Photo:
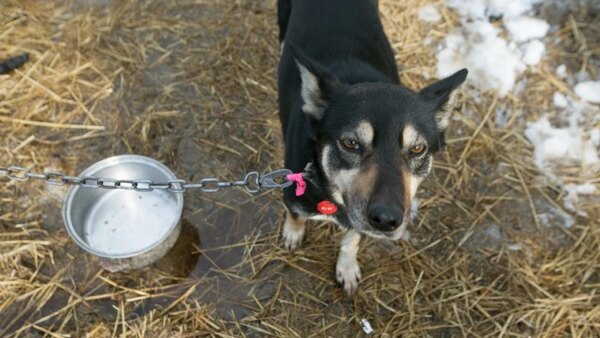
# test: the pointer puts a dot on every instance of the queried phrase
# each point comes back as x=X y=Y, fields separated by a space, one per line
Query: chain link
x=253 y=182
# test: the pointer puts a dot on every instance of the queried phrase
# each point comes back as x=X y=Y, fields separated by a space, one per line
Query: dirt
x=200 y=98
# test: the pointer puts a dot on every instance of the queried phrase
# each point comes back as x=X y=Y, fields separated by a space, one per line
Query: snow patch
x=561 y=71
x=560 y=145
x=514 y=247
x=483 y=9
x=588 y=91
x=555 y=216
x=493 y=62
x=524 y=28
x=571 y=146
x=533 y=52
x=559 y=100
x=429 y=13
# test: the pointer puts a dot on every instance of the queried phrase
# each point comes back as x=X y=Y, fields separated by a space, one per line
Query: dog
x=363 y=142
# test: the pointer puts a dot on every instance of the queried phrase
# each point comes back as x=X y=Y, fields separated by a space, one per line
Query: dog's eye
x=350 y=144
x=418 y=150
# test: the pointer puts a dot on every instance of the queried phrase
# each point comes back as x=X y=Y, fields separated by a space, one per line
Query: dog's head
x=375 y=142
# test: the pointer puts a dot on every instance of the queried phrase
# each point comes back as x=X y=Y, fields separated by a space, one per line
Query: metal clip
x=251 y=182
x=276 y=179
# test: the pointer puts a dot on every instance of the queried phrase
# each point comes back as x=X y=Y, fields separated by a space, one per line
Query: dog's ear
x=317 y=83
x=442 y=93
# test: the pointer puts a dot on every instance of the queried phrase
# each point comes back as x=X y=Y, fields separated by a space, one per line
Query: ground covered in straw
x=192 y=83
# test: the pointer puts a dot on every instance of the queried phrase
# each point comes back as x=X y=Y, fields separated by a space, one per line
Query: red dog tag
x=326 y=208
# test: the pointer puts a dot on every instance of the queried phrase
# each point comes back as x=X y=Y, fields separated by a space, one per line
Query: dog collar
x=324 y=207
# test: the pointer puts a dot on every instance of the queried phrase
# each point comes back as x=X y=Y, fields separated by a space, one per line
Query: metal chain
x=252 y=182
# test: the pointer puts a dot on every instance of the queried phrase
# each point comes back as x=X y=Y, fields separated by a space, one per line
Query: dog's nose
x=384 y=217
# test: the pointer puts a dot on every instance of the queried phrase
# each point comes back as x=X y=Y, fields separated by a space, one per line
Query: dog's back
x=344 y=36
x=330 y=30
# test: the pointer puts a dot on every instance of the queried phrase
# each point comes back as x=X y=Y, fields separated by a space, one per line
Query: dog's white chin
x=395 y=235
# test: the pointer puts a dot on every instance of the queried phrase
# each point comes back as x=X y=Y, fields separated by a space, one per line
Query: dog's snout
x=384 y=217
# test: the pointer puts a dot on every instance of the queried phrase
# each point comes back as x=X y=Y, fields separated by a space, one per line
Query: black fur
x=12 y=63
x=343 y=44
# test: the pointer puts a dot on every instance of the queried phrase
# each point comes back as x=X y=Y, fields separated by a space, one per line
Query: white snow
x=588 y=91
x=501 y=116
x=566 y=147
x=429 y=13
x=560 y=145
x=556 y=215
x=493 y=62
x=524 y=28
x=482 y=9
x=533 y=52
x=496 y=55
x=514 y=247
x=559 y=100
x=573 y=192
x=561 y=71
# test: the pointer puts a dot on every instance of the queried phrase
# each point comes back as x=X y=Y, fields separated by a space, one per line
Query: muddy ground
x=192 y=84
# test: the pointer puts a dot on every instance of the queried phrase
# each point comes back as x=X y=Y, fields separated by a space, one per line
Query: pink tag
x=300 y=184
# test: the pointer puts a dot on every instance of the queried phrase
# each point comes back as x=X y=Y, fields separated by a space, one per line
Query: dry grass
x=192 y=83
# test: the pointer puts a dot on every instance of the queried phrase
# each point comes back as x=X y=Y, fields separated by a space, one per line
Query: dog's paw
x=348 y=274
x=292 y=238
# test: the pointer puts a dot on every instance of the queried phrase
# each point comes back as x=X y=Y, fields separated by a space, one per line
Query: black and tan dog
x=363 y=141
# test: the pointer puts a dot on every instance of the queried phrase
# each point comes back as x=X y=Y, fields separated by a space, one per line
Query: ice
x=588 y=91
x=429 y=13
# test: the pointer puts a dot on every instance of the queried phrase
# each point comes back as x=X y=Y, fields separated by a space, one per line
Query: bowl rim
x=106 y=163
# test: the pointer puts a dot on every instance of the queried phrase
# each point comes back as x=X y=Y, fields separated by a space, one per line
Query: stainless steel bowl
x=125 y=228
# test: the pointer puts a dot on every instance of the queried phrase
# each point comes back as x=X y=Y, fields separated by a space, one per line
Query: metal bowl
x=127 y=229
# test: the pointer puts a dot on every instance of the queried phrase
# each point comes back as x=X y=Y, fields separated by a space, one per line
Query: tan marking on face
x=365 y=132
x=366 y=182
x=411 y=183
x=411 y=137
x=342 y=179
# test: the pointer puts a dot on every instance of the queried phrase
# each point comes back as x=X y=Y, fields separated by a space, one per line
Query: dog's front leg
x=293 y=230
x=347 y=269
